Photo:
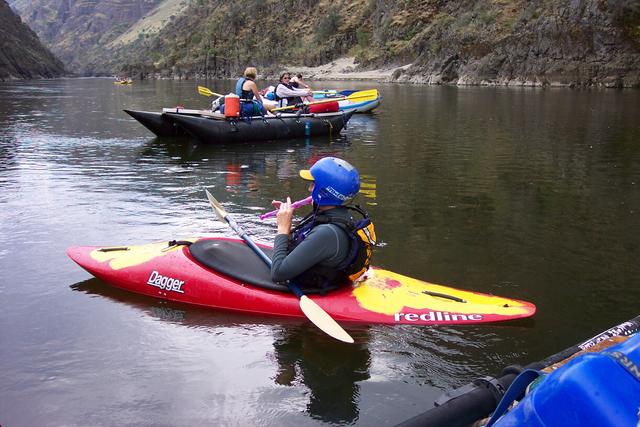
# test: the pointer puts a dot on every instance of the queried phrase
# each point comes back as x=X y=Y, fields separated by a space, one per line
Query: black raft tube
x=477 y=400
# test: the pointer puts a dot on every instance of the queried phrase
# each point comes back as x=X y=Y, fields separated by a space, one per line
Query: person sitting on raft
x=298 y=83
x=247 y=89
x=328 y=248
x=286 y=94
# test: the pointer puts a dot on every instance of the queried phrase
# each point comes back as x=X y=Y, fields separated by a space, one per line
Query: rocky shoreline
x=346 y=69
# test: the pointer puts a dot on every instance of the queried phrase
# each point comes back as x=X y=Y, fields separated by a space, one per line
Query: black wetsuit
x=326 y=245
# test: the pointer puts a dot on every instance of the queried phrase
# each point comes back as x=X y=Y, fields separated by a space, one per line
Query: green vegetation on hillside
x=584 y=42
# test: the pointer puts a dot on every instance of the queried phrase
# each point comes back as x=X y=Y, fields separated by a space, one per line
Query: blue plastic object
x=595 y=389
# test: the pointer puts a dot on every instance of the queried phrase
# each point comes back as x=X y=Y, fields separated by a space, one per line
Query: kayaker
x=247 y=90
x=329 y=247
x=286 y=94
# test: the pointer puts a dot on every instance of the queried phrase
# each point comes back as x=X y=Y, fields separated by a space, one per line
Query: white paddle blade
x=217 y=208
x=322 y=320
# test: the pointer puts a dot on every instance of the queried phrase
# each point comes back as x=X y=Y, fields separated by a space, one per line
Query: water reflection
x=187 y=150
x=331 y=370
x=250 y=168
x=7 y=151
x=364 y=127
x=173 y=312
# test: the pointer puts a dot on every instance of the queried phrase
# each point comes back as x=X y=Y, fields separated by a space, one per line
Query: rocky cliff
x=22 y=56
x=79 y=31
x=516 y=42
x=531 y=43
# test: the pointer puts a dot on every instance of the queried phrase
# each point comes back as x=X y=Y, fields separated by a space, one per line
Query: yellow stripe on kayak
x=388 y=293
x=133 y=255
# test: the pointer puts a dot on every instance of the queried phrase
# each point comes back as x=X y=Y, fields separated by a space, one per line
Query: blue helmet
x=336 y=181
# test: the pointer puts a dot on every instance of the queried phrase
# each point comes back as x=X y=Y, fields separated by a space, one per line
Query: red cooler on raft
x=232 y=105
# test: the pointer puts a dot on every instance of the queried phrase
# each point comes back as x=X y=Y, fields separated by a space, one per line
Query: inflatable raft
x=594 y=383
x=594 y=389
x=215 y=128
x=225 y=274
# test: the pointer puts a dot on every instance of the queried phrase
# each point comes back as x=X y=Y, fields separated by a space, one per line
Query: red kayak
x=225 y=274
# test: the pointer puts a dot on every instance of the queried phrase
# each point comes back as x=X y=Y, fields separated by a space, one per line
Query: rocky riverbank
x=577 y=44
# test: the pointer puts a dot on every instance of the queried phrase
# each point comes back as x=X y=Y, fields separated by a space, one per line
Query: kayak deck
x=171 y=272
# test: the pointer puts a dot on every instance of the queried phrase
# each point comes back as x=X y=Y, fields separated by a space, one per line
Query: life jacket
x=291 y=100
x=362 y=236
x=249 y=107
x=244 y=95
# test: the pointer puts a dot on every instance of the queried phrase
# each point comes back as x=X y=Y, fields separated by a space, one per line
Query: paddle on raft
x=207 y=92
x=313 y=311
x=341 y=92
x=294 y=205
x=371 y=93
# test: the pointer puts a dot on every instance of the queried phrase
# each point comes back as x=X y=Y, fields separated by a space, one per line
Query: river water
x=526 y=193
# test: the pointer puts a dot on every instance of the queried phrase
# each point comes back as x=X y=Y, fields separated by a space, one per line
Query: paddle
x=313 y=311
x=207 y=92
x=341 y=92
x=371 y=93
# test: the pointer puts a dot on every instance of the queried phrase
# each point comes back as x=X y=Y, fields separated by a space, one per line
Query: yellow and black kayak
x=225 y=274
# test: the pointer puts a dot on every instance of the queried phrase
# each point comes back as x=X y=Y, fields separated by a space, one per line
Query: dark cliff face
x=78 y=30
x=22 y=56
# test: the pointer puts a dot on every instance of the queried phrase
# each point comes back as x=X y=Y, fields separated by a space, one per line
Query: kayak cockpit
x=238 y=261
